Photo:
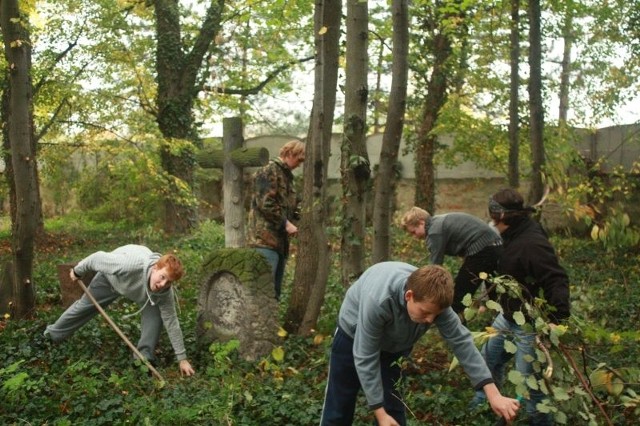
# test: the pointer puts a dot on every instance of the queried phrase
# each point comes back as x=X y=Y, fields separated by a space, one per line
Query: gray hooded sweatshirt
x=374 y=313
x=128 y=269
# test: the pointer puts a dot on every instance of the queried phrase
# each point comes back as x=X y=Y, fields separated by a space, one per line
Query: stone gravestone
x=232 y=159
x=6 y=290
x=236 y=301
x=70 y=291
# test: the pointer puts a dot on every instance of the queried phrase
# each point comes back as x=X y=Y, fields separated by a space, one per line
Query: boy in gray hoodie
x=140 y=275
x=383 y=315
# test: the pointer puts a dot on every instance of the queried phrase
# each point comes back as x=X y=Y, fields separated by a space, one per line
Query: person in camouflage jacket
x=274 y=207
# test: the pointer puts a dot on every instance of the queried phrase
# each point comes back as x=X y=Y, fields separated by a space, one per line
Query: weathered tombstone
x=236 y=302
x=236 y=299
x=70 y=291
x=6 y=289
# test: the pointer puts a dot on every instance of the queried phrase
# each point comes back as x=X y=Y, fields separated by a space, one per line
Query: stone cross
x=232 y=159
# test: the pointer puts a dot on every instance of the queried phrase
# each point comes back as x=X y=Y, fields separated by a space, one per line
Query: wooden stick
x=120 y=333
x=585 y=384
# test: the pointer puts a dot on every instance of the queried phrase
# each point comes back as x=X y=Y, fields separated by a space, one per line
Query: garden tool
x=119 y=332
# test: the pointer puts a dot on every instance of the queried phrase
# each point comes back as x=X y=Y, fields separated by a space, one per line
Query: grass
x=90 y=379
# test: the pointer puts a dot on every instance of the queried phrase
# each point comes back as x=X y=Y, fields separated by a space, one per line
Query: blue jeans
x=467 y=281
x=277 y=262
x=343 y=384
x=497 y=357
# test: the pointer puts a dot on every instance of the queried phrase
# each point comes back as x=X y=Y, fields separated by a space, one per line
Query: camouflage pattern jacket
x=273 y=202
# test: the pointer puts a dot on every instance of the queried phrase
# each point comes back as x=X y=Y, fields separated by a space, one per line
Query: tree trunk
x=565 y=75
x=177 y=90
x=535 y=102
x=355 y=167
x=6 y=144
x=435 y=99
x=17 y=46
x=377 y=94
x=312 y=264
x=514 y=99
x=387 y=173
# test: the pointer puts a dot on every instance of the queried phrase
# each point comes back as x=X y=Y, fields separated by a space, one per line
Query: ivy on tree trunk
x=178 y=87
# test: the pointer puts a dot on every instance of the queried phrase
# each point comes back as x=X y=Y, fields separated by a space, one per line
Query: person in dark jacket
x=274 y=209
x=529 y=258
x=457 y=234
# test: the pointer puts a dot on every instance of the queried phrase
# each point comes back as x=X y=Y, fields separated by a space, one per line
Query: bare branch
x=59 y=57
x=105 y=129
x=256 y=89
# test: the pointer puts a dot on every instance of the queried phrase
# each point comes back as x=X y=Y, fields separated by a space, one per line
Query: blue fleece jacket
x=374 y=313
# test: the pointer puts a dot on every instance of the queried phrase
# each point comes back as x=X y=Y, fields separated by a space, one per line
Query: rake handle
x=118 y=331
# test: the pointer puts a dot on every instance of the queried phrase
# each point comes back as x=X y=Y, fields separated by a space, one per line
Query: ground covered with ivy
x=91 y=379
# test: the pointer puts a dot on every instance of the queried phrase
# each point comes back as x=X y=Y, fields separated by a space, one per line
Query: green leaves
x=493 y=306
x=12 y=378
x=518 y=317
x=510 y=347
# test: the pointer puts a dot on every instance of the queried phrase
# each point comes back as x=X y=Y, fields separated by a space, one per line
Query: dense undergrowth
x=90 y=379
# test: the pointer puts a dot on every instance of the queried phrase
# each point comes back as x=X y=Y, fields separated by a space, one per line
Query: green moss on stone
x=249 y=266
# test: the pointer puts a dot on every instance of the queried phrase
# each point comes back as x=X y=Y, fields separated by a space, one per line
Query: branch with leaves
x=555 y=342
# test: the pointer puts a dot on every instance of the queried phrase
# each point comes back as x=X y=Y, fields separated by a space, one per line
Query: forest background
x=106 y=105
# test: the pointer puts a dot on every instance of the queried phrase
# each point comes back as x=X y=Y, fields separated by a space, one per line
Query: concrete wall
x=467 y=186
x=619 y=145
x=467 y=170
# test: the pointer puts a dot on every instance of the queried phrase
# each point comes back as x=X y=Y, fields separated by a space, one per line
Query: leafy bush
x=130 y=191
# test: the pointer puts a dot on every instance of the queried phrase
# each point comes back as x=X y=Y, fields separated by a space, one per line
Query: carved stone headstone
x=236 y=301
x=70 y=291
x=6 y=289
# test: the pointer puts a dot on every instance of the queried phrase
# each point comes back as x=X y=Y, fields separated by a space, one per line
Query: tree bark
x=21 y=136
x=535 y=103
x=312 y=265
x=565 y=75
x=355 y=168
x=426 y=141
x=514 y=98
x=386 y=178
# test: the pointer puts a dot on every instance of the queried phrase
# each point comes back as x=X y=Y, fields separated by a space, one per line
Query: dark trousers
x=467 y=281
x=343 y=384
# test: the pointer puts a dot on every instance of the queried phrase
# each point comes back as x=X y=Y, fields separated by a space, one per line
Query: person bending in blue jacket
x=383 y=315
